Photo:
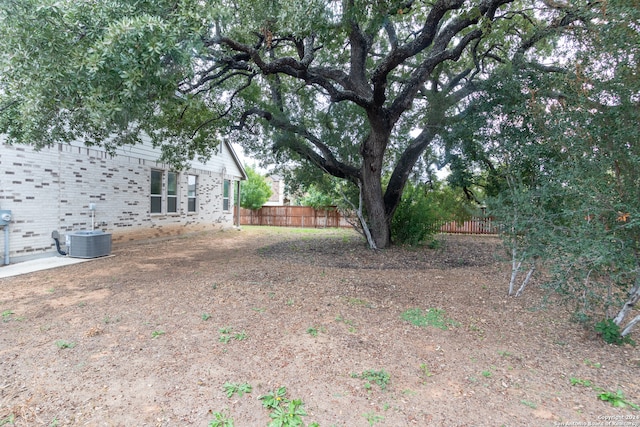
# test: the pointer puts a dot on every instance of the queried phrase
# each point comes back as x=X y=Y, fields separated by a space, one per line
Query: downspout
x=238 y=206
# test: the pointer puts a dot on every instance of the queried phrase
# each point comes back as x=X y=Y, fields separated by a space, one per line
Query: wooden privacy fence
x=476 y=225
x=306 y=216
x=293 y=216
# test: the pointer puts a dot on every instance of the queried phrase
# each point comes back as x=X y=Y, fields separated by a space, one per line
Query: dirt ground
x=150 y=336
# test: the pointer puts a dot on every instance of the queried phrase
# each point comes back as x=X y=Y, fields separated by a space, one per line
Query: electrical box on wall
x=5 y=217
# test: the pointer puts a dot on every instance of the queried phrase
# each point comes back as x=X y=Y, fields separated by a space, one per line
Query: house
x=130 y=195
x=278 y=197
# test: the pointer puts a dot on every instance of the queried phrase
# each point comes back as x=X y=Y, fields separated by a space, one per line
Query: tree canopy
x=356 y=88
x=564 y=171
x=256 y=191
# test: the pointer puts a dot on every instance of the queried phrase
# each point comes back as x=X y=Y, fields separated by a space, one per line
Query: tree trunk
x=627 y=330
x=526 y=280
x=634 y=297
x=363 y=222
x=375 y=212
x=372 y=152
x=515 y=268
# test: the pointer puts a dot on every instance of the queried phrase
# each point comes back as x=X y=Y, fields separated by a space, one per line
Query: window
x=225 y=195
x=156 y=191
x=191 y=193
x=172 y=192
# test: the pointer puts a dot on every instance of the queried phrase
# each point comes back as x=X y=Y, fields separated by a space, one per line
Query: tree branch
x=324 y=159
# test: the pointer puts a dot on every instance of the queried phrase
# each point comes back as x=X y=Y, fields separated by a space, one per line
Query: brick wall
x=51 y=190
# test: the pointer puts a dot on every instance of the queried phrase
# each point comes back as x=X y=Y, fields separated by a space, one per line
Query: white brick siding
x=51 y=190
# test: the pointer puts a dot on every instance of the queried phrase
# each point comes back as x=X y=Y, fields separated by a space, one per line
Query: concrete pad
x=38 y=264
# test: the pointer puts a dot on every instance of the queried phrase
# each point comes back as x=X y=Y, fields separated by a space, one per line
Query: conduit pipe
x=6 y=244
x=5 y=219
x=56 y=237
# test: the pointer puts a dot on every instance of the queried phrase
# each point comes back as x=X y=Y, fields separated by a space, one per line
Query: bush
x=610 y=333
x=423 y=209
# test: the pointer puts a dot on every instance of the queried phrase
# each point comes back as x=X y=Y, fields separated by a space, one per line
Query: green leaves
x=610 y=333
x=433 y=317
x=273 y=399
x=101 y=72
x=235 y=388
x=255 y=191
x=284 y=412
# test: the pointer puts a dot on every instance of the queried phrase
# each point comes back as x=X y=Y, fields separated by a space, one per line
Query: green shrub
x=610 y=333
x=423 y=209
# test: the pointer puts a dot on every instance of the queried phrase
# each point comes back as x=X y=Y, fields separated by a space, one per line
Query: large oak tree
x=357 y=88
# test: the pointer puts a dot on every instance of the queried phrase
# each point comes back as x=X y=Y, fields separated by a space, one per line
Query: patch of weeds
x=284 y=412
x=205 y=316
x=409 y=392
x=234 y=388
x=350 y=323
x=54 y=422
x=529 y=404
x=373 y=418
x=504 y=353
x=288 y=414
x=11 y=419
x=486 y=374
x=62 y=344
x=227 y=334
x=258 y=309
x=473 y=327
x=347 y=322
x=290 y=302
x=108 y=319
x=221 y=419
x=610 y=333
x=424 y=370
x=617 y=399
x=272 y=400
x=156 y=334
x=314 y=331
x=381 y=378
x=581 y=382
x=591 y=364
x=358 y=302
x=51 y=290
x=433 y=317
x=6 y=315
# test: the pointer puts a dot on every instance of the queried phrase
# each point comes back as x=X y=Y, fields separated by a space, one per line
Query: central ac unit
x=88 y=244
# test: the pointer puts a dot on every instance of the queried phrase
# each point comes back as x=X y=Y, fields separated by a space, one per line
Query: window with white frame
x=172 y=192
x=156 y=191
x=225 y=194
x=192 y=182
